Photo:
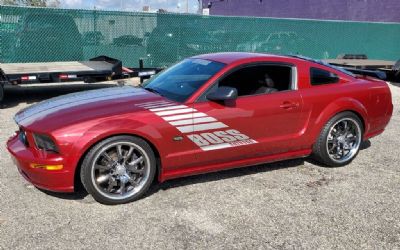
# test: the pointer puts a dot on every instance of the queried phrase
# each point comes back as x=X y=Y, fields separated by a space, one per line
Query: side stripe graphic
x=187 y=116
x=193 y=121
x=173 y=112
x=168 y=108
x=189 y=121
x=201 y=127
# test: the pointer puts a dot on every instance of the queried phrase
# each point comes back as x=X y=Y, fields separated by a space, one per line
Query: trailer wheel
x=1 y=92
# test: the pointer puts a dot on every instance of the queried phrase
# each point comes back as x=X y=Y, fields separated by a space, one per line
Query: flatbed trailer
x=390 y=68
x=97 y=69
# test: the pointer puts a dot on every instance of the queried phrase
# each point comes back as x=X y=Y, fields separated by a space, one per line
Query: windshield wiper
x=153 y=91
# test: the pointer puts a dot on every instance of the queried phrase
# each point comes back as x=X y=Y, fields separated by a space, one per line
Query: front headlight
x=44 y=142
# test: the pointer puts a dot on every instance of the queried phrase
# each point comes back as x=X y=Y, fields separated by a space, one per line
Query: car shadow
x=15 y=95
x=365 y=144
x=81 y=194
x=225 y=174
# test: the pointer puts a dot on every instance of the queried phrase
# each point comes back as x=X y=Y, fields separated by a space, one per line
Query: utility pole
x=200 y=8
x=187 y=6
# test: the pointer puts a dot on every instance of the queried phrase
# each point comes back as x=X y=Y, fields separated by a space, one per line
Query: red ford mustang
x=204 y=114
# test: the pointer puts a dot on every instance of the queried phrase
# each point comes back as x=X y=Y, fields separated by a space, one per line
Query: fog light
x=47 y=167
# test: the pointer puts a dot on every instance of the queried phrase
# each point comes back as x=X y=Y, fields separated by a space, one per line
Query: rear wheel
x=118 y=170
x=340 y=140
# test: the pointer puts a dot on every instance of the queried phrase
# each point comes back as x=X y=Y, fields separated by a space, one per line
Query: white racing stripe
x=201 y=127
x=168 y=108
x=193 y=121
x=187 y=116
x=173 y=112
x=218 y=146
x=157 y=105
x=152 y=103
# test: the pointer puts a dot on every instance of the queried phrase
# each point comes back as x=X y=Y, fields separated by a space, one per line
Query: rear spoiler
x=364 y=72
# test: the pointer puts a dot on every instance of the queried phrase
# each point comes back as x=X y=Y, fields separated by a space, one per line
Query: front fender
x=105 y=129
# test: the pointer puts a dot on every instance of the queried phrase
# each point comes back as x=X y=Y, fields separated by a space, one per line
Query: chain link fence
x=43 y=34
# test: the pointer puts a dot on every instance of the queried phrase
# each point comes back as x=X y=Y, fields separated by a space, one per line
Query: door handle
x=289 y=105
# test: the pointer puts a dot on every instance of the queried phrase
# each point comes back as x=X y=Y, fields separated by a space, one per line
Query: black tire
x=88 y=170
x=320 y=148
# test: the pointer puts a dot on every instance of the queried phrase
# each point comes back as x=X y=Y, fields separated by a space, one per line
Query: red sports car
x=204 y=114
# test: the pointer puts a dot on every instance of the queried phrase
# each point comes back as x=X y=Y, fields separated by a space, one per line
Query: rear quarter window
x=322 y=77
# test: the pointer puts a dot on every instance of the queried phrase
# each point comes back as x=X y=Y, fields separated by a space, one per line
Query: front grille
x=22 y=137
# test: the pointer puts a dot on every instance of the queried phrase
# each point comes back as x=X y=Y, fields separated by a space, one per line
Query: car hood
x=83 y=106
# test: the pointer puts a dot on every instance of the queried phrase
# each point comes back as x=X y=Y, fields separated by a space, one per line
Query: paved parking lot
x=286 y=205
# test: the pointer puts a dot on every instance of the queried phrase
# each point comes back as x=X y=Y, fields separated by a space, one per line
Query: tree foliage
x=36 y=3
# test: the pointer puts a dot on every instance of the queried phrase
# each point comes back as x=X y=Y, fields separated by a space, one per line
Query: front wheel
x=340 y=140
x=118 y=170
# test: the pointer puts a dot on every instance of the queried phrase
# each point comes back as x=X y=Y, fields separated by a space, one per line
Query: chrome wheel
x=120 y=170
x=344 y=139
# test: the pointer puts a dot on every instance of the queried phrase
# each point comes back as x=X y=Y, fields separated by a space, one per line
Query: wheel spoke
x=102 y=168
x=103 y=178
x=137 y=171
x=111 y=184
x=107 y=157
x=121 y=190
x=352 y=139
x=136 y=161
x=134 y=182
x=330 y=149
x=128 y=155
x=345 y=126
x=119 y=152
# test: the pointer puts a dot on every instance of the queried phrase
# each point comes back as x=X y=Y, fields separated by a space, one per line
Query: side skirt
x=234 y=164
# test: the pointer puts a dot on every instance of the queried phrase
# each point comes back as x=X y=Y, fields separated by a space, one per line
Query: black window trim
x=293 y=87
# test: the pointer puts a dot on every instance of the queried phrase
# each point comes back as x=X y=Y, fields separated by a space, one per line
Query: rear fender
x=340 y=105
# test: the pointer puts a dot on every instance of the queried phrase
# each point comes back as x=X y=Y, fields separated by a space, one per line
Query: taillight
x=65 y=76
x=28 y=78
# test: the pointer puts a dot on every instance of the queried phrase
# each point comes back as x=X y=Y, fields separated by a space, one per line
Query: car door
x=248 y=127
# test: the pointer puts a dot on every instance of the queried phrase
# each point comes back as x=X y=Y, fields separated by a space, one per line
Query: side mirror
x=223 y=94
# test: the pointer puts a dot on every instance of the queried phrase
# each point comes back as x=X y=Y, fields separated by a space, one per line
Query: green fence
x=41 y=34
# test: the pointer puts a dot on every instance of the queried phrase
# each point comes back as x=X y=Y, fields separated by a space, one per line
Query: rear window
x=321 y=77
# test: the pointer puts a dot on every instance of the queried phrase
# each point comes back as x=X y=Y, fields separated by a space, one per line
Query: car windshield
x=180 y=81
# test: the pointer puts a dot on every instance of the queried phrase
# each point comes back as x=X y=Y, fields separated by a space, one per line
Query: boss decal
x=200 y=127
x=220 y=139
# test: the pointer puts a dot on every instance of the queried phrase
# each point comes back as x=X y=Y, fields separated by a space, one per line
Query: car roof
x=231 y=57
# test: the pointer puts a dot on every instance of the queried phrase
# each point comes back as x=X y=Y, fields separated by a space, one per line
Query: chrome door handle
x=289 y=105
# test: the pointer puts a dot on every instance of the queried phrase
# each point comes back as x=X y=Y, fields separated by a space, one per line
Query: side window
x=321 y=77
x=260 y=79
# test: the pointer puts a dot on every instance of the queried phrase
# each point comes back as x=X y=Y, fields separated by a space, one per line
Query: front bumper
x=52 y=180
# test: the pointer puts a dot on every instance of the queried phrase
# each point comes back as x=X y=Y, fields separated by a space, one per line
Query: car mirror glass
x=223 y=94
